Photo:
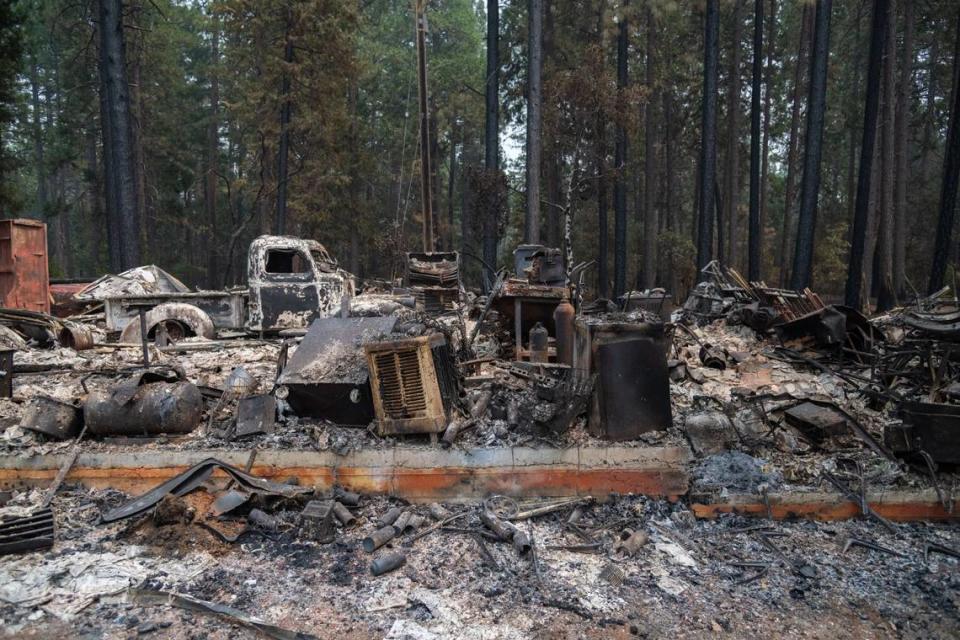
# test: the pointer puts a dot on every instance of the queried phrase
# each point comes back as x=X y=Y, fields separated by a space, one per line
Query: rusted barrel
x=75 y=336
x=160 y=407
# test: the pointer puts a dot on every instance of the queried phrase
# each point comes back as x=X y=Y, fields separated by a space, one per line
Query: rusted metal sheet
x=192 y=478
x=155 y=408
x=256 y=414
x=413 y=383
x=24 y=274
x=292 y=282
x=53 y=418
x=327 y=376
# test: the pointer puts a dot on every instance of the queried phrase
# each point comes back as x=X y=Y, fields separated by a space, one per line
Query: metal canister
x=379 y=538
x=387 y=563
x=563 y=317
x=539 y=340
x=390 y=516
x=155 y=408
x=343 y=514
x=75 y=336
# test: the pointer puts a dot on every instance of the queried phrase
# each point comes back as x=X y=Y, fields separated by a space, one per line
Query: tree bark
x=451 y=184
x=534 y=119
x=753 y=268
x=603 y=275
x=904 y=91
x=708 y=144
x=125 y=252
x=765 y=153
x=786 y=234
x=38 y=146
x=283 y=153
x=878 y=28
x=650 y=214
x=213 y=155
x=492 y=130
x=887 y=296
x=951 y=176
x=620 y=160
x=731 y=175
x=813 y=145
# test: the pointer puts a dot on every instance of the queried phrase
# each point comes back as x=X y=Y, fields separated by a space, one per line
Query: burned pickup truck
x=290 y=282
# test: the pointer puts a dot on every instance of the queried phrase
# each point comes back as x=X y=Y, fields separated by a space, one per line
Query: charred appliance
x=414 y=384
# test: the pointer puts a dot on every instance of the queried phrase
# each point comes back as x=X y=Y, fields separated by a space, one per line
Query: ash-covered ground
x=732 y=577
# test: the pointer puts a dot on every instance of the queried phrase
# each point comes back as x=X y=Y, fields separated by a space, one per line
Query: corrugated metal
x=24 y=276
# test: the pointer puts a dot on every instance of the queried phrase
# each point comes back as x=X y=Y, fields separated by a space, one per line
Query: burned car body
x=292 y=282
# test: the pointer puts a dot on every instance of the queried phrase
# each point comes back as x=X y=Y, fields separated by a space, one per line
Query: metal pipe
x=379 y=538
x=387 y=563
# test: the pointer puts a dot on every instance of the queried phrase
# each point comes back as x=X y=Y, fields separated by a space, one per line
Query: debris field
x=811 y=493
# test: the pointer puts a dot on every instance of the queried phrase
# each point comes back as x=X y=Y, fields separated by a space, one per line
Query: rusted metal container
x=632 y=391
x=155 y=408
x=76 y=336
x=53 y=418
x=24 y=274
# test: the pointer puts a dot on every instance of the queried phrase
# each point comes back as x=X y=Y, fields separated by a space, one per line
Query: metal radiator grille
x=401 y=385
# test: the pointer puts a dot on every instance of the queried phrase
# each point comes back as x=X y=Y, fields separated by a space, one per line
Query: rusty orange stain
x=899 y=511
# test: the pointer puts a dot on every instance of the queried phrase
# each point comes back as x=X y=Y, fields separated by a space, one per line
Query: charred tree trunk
x=902 y=152
x=620 y=160
x=951 y=175
x=603 y=275
x=813 y=141
x=887 y=296
x=534 y=118
x=213 y=155
x=38 y=146
x=115 y=112
x=731 y=175
x=708 y=144
x=765 y=153
x=492 y=131
x=451 y=185
x=753 y=268
x=283 y=153
x=650 y=217
x=878 y=30
x=786 y=234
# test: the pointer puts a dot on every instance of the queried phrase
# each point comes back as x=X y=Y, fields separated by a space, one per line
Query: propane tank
x=539 y=339
x=563 y=317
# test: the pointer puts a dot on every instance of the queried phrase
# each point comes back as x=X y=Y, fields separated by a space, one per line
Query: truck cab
x=292 y=281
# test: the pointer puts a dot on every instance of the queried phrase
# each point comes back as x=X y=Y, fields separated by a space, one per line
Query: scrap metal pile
x=772 y=390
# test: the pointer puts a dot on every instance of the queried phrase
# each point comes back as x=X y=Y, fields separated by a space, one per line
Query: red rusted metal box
x=24 y=279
